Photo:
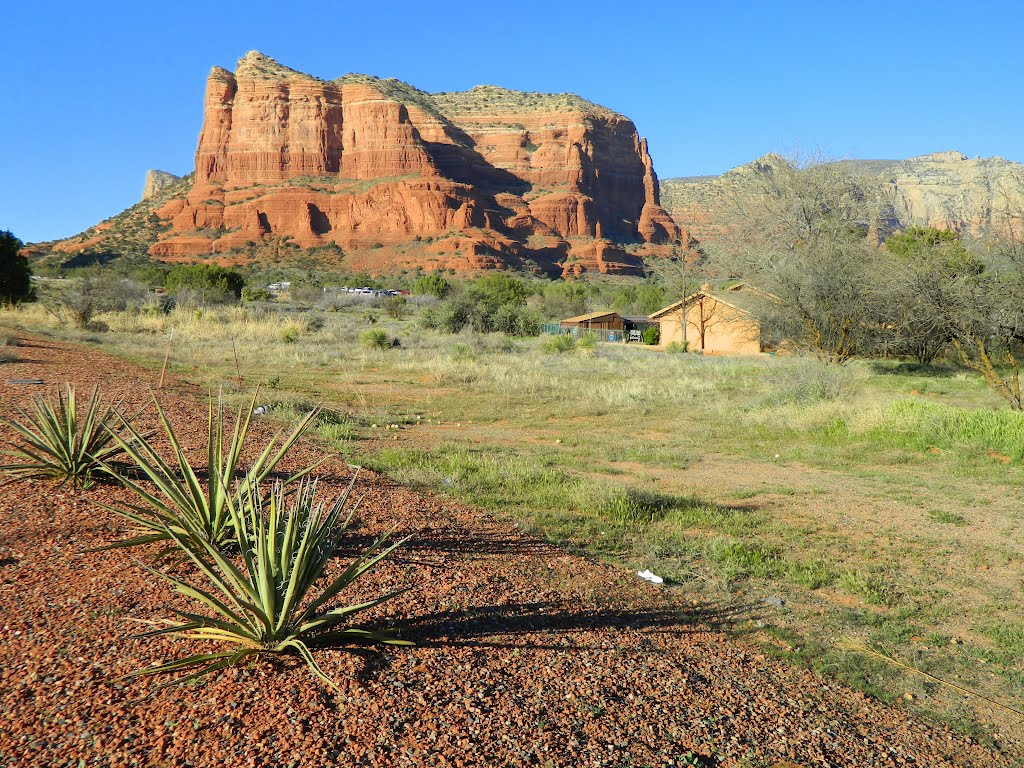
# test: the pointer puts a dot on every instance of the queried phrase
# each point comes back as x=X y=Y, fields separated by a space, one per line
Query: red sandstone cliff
x=483 y=178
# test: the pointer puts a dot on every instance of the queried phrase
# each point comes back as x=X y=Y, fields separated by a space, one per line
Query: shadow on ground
x=499 y=625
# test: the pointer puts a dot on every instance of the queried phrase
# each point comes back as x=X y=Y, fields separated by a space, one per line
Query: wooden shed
x=712 y=322
x=604 y=320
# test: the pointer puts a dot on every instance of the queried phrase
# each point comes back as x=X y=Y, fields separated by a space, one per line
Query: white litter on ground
x=648 y=576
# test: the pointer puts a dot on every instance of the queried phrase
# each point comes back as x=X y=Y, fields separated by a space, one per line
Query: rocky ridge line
x=947 y=190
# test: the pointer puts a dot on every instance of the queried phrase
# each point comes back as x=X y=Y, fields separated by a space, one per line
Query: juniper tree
x=15 y=275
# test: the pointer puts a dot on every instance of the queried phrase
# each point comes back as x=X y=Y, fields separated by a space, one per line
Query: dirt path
x=524 y=655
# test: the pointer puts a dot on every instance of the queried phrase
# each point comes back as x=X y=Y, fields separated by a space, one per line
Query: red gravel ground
x=524 y=655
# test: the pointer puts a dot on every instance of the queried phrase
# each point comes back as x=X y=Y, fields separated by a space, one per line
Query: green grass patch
x=950 y=518
x=872 y=587
x=917 y=426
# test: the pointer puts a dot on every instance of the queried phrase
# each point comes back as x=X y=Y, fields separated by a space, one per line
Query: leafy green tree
x=15 y=275
x=919 y=286
x=432 y=285
x=516 y=321
x=564 y=298
x=208 y=280
x=496 y=290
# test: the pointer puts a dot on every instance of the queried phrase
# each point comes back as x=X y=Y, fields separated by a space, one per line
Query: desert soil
x=524 y=654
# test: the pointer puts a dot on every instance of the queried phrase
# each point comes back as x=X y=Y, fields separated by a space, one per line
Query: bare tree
x=805 y=235
x=78 y=300
x=985 y=313
x=703 y=313
x=681 y=274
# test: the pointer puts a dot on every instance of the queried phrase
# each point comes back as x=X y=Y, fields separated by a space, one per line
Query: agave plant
x=181 y=502
x=64 y=442
x=266 y=606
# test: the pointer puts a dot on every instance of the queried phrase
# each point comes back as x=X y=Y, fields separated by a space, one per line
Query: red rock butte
x=486 y=178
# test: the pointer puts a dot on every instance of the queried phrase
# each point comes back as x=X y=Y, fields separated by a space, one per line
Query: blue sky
x=97 y=93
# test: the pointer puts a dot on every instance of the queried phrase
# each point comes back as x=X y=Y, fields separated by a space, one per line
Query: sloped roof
x=727 y=296
x=591 y=316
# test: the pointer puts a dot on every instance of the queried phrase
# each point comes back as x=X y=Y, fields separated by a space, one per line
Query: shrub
x=268 y=606
x=565 y=299
x=375 y=338
x=396 y=307
x=587 y=343
x=79 y=300
x=62 y=443
x=530 y=322
x=453 y=315
x=506 y=320
x=677 y=347
x=432 y=285
x=290 y=332
x=558 y=344
x=205 y=282
x=652 y=334
x=430 y=318
x=807 y=381
x=463 y=353
x=180 y=504
x=307 y=293
x=256 y=294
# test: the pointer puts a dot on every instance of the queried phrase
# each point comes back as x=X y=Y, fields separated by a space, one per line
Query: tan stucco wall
x=731 y=332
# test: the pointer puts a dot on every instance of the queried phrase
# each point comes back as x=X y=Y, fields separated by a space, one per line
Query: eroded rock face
x=946 y=190
x=480 y=179
x=157 y=180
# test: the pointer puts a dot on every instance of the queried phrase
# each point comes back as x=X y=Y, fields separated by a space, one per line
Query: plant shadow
x=516 y=625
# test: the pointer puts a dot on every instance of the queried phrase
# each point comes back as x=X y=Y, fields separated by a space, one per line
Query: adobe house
x=713 y=322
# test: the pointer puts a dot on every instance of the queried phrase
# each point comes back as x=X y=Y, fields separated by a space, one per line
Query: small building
x=603 y=320
x=712 y=322
x=605 y=324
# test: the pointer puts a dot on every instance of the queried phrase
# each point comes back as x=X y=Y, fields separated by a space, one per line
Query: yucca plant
x=65 y=442
x=267 y=606
x=181 y=502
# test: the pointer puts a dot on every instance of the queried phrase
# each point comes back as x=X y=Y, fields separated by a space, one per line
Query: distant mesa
x=289 y=166
x=947 y=190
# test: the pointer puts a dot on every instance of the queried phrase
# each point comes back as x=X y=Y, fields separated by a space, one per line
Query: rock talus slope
x=487 y=178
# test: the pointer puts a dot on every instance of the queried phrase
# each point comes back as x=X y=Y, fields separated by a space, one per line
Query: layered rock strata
x=478 y=179
x=947 y=190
